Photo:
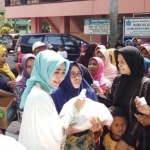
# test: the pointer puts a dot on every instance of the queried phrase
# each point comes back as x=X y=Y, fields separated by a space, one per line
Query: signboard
x=137 y=27
x=97 y=26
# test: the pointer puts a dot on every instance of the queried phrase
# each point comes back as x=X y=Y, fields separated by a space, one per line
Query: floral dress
x=84 y=142
x=18 y=91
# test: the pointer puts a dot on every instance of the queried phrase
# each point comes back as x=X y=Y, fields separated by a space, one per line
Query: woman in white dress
x=41 y=127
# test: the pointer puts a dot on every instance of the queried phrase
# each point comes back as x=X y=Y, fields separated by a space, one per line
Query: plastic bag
x=90 y=109
x=13 y=130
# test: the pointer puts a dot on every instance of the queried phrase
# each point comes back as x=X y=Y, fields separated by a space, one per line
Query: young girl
x=41 y=127
x=27 y=63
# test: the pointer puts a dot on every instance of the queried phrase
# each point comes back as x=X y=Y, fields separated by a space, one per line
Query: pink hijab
x=99 y=75
x=110 y=71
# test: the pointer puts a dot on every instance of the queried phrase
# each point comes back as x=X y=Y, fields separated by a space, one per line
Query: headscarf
x=100 y=46
x=126 y=42
x=99 y=76
x=145 y=44
x=111 y=53
x=5 y=68
x=86 y=74
x=25 y=75
x=110 y=71
x=66 y=91
x=84 y=59
x=147 y=64
x=135 y=62
x=46 y=63
x=145 y=47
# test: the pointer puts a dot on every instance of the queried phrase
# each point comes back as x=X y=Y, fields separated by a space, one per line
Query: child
x=62 y=52
x=117 y=129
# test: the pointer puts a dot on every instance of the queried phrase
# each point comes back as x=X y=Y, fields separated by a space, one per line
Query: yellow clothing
x=110 y=144
x=5 y=68
x=111 y=53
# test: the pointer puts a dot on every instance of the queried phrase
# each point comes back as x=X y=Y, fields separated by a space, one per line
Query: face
x=75 y=76
x=29 y=65
x=145 y=53
x=100 y=55
x=39 y=49
x=135 y=41
x=129 y=44
x=93 y=67
x=137 y=46
x=60 y=48
x=123 y=67
x=4 y=58
x=118 y=127
x=58 y=76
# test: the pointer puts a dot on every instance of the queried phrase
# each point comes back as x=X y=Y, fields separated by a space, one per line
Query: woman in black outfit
x=131 y=83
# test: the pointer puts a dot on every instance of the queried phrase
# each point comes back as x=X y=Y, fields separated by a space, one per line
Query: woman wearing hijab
x=84 y=59
x=7 y=78
x=112 y=56
x=145 y=51
x=129 y=43
x=71 y=87
x=27 y=63
x=96 y=68
x=131 y=83
x=110 y=71
x=41 y=127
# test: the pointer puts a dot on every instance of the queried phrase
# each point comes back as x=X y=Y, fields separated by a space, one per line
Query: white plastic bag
x=90 y=109
x=13 y=130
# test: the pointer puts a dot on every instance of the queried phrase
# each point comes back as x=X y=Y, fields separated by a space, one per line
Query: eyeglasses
x=74 y=75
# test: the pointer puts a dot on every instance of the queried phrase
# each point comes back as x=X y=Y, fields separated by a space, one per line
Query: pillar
x=65 y=24
x=36 y=25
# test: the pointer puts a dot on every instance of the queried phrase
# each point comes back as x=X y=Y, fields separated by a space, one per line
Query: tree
x=113 y=15
x=7 y=28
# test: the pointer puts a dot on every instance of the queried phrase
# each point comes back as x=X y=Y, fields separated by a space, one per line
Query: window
x=6 y=37
x=30 y=40
x=53 y=40
x=67 y=41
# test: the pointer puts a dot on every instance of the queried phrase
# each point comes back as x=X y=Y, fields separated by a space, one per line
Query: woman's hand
x=72 y=130
x=79 y=104
x=144 y=109
x=121 y=145
x=108 y=89
x=11 y=84
x=97 y=89
x=97 y=125
x=144 y=120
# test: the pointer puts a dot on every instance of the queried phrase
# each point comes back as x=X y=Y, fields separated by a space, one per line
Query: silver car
x=9 y=40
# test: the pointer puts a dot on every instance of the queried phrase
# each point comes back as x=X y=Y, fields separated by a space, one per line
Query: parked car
x=70 y=43
x=9 y=40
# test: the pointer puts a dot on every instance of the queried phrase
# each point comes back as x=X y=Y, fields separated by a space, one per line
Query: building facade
x=67 y=16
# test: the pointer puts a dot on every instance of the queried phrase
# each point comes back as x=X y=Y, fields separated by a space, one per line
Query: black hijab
x=135 y=62
x=86 y=74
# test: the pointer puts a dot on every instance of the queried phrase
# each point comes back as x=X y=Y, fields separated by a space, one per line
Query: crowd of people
x=115 y=77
